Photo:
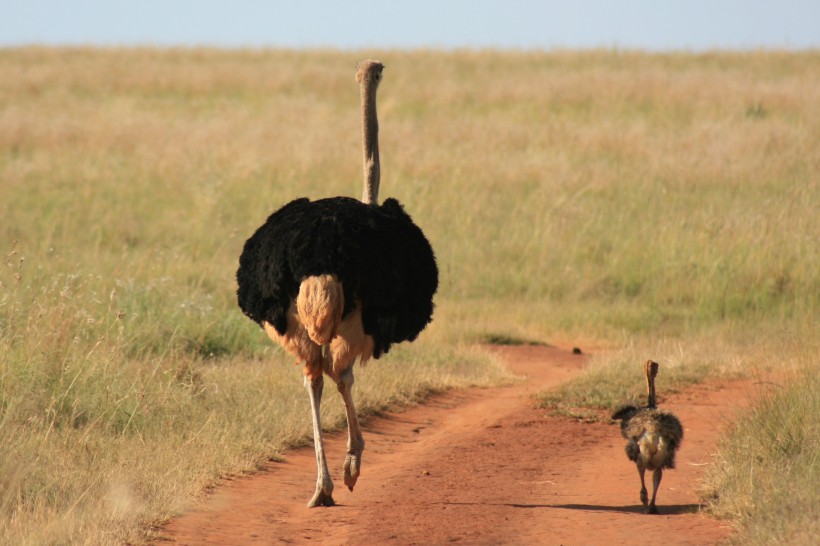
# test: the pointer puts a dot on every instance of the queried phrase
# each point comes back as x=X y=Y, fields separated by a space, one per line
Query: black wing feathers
x=266 y=282
x=382 y=259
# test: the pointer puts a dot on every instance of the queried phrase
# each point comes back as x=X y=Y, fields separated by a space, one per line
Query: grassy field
x=662 y=203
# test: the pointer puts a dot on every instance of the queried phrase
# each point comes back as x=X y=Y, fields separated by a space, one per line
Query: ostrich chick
x=654 y=437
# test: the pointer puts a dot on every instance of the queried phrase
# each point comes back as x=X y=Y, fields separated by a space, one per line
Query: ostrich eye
x=377 y=76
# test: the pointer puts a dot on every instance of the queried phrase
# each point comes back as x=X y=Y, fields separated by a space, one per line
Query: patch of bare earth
x=480 y=466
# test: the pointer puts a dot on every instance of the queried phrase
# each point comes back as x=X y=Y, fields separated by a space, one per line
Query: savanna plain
x=648 y=205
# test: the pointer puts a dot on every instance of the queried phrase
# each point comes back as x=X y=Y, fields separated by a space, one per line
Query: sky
x=656 y=25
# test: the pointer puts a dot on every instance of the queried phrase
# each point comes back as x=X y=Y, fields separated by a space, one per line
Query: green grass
x=660 y=204
x=505 y=339
x=766 y=472
x=615 y=377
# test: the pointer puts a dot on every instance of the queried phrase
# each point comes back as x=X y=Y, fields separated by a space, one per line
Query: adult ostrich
x=337 y=279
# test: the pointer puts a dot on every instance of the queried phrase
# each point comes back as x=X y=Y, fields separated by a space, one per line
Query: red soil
x=480 y=466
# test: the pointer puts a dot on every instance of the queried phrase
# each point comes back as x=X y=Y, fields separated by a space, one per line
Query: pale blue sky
x=525 y=24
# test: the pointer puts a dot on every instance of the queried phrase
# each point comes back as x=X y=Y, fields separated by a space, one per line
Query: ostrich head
x=369 y=72
x=369 y=75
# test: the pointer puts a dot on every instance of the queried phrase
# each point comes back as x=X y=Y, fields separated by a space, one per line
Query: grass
x=614 y=377
x=766 y=473
x=649 y=203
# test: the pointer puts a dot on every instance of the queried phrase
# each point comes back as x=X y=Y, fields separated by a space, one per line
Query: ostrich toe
x=353 y=462
x=324 y=493
x=321 y=498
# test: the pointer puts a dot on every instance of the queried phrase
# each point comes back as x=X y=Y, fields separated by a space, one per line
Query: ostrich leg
x=656 y=483
x=355 y=442
x=644 y=497
x=324 y=485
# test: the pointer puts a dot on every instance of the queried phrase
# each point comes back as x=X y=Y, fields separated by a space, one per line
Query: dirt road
x=480 y=466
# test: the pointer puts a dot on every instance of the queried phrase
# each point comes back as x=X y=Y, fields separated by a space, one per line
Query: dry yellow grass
x=570 y=197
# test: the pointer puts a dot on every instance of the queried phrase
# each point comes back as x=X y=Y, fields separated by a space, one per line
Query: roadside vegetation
x=660 y=206
x=766 y=473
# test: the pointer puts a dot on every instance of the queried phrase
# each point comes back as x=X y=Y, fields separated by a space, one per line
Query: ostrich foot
x=352 y=466
x=322 y=497
x=651 y=509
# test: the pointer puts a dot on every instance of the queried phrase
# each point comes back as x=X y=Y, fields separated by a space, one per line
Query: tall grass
x=585 y=197
x=766 y=473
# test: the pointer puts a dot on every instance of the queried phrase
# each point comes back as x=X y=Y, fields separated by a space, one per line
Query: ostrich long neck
x=651 y=370
x=650 y=387
x=370 y=144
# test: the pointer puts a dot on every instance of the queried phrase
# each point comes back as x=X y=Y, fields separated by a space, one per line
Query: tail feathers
x=320 y=304
x=650 y=443
x=655 y=451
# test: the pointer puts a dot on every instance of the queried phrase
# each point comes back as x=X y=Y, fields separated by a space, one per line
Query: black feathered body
x=382 y=259
x=653 y=436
